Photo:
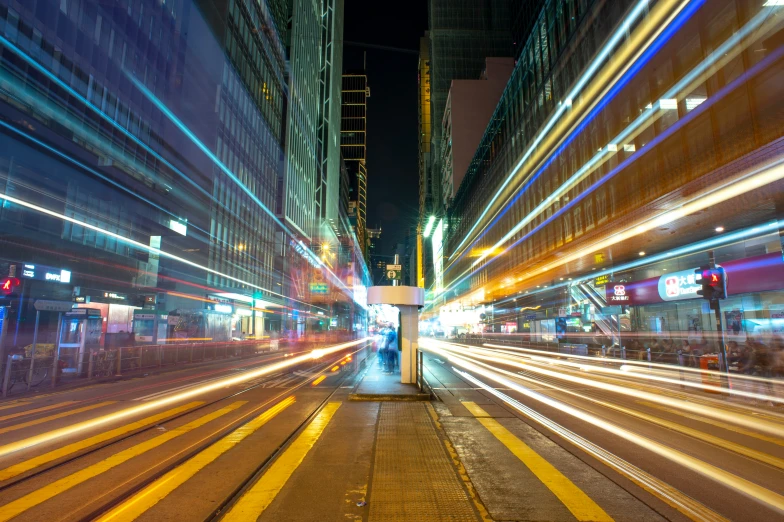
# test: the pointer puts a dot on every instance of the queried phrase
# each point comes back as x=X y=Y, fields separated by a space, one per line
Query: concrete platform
x=375 y=385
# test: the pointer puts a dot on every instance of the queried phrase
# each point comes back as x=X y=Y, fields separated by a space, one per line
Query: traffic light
x=9 y=284
x=714 y=283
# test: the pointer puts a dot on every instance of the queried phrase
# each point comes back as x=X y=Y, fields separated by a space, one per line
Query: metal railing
x=20 y=373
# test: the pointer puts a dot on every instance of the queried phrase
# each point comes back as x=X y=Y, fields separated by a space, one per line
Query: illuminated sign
x=617 y=294
x=46 y=273
x=179 y=227
x=113 y=295
x=601 y=280
x=679 y=285
x=319 y=288
x=438 y=257
x=223 y=308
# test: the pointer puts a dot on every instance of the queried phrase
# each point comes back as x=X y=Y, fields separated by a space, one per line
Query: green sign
x=393 y=272
x=319 y=288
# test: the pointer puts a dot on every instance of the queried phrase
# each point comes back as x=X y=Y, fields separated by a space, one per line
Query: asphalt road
x=528 y=436
x=727 y=454
x=76 y=454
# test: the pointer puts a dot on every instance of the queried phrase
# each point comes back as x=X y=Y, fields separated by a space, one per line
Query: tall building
x=298 y=185
x=462 y=33
x=469 y=106
x=353 y=146
x=378 y=261
x=164 y=125
x=600 y=187
x=424 y=134
x=330 y=87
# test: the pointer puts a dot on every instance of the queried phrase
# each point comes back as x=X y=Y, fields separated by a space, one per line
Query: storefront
x=668 y=306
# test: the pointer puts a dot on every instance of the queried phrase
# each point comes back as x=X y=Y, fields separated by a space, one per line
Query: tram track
x=193 y=450
x=631 y=478
x=183 y=454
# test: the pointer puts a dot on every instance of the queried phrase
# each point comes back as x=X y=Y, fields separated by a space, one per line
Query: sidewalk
x=380 y=451
x=375 y=385
x=382 y=457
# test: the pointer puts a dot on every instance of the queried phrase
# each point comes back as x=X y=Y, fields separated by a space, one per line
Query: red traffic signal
x=714 y=283
x=8 y=285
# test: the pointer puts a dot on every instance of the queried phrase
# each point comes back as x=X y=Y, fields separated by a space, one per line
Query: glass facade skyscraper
x=143 y=155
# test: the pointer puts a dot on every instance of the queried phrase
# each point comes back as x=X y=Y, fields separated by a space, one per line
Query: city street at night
x=433 y=260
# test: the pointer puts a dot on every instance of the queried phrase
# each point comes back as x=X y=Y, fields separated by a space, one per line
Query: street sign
x=43 y=305
x=393 y=272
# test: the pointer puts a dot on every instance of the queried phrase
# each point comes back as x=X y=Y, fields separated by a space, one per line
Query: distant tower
x=353 y=146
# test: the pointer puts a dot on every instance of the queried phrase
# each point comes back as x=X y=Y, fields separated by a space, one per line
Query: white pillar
x=409 y=333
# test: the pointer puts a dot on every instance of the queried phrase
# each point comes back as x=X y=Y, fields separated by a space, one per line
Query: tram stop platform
x=375 y=385
x=382 y=451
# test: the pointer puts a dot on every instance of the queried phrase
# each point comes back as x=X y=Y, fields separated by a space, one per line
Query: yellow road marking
x=317 y=381
x=53 y=489
x=697 y=434
x=14 y=404
x=40 y=460
x=37 y=410
x=55 y=416
x=719 y=424
x=145 y=499
x=575 y=500
x=256 y=499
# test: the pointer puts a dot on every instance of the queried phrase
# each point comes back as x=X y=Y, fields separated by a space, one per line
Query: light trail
x=752 y=490
x=691 y=508
x=636 y=12
x=639 y=366
x=40 y=68
x=762 y=425
x=137 y=244
x=655 y=378
x=187 y=394
x=722 y=55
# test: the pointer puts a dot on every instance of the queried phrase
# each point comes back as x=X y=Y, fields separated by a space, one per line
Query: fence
x=21 y=373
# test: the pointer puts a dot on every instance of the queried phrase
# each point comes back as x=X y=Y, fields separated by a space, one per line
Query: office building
x=353 y=146
x=598 y=180
x=164 y=127
x=469 y=106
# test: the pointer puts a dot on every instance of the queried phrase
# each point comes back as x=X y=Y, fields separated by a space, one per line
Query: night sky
x=393 y=175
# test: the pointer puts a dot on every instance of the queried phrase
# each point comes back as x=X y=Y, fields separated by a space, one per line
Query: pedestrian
x=391 y=349
x=381 y=348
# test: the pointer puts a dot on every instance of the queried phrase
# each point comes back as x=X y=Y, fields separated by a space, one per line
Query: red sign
x=617 y=294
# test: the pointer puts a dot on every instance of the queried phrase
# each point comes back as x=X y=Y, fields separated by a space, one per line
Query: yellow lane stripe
x=40 y=460
x=575 y=500
x=14 y=404
x=53 y=489
x=36 y=410
x=317 y=381
x=255 y=500
x=718 y=424
x=55 y=416
x=697 y=434
x=145 y=499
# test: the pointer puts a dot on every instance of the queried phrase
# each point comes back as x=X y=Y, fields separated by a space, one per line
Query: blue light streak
x=644 y=58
